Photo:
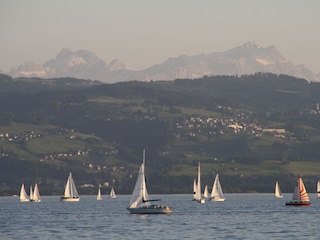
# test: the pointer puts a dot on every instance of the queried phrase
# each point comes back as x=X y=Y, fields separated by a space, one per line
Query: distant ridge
x=248 y=58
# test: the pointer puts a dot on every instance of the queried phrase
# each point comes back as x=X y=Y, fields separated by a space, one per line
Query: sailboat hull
x=153 y=209
x=69 y=199
x=216 y=199
x=298 y=203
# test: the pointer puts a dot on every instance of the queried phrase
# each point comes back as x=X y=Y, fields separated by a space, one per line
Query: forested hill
x=252 y=129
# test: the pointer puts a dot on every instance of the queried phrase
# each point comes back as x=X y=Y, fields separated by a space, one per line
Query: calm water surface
x=241 y=216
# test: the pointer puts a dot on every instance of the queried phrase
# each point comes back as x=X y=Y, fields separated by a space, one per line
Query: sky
x=141 y=33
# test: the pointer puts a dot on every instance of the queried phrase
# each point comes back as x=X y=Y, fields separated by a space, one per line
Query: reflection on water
x=241 y=216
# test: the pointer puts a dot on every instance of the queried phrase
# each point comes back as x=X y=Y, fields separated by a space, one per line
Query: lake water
x=241 y=216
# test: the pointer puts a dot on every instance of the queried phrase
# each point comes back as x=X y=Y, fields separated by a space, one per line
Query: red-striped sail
x=300 y=195
x=300 y=192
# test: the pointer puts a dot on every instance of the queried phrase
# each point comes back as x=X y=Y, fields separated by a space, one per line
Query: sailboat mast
x=144 y=157
x=299 y=188
x=31 y=193
x=143 y=185
x=199 y=183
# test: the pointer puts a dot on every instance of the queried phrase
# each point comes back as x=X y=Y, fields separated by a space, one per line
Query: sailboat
x=36 y=195
x=99 y=197
x=277 y=191
x=112 y=193
x=205 y=192
x=70 y=192
x=318 y=190
x=217 y=193
x=140 y=202
x=198 y=196
x=23 y=194
x=31 y=193
x=300 y=195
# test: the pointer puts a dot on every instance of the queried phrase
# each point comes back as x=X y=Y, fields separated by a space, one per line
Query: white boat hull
x=153 y=209
x=69 y=199
x=217 y=199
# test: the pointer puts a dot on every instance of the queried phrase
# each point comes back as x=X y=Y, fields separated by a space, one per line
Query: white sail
x=194 y=189
x=140 y=194
x=99 y=197
x=217 y=193
x=36 y=194
x=23 y=194
x=31 y=193
x=277 y=191
x=70 y=192
x=112 y=193
x=198 y=192
x=318 y=189
x=205 y=192
x=198 y=196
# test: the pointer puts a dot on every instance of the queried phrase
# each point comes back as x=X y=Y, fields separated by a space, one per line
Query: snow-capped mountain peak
x=248 y=58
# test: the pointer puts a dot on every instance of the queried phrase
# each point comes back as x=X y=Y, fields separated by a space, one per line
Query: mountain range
x=248 y=58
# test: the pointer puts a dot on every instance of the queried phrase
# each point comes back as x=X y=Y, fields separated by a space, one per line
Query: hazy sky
x=141 y=33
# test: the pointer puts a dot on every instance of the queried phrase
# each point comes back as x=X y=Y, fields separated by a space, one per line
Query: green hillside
x=253 y=130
